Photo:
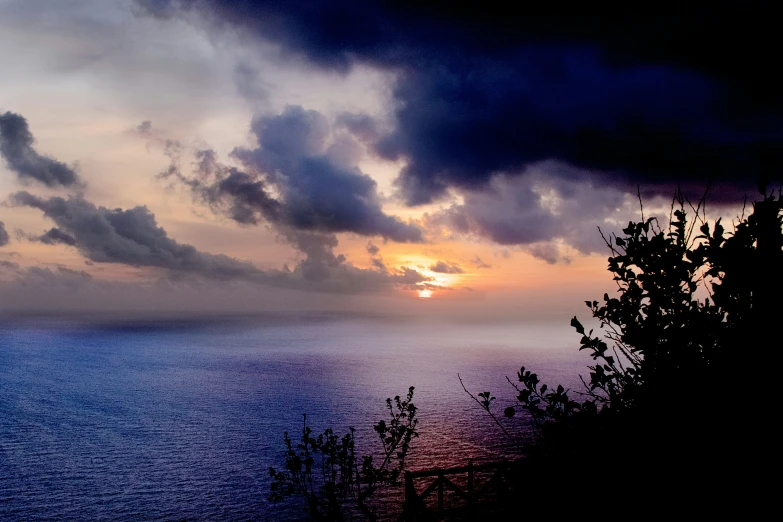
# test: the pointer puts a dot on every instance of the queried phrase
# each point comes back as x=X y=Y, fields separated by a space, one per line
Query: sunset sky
x=216 y=156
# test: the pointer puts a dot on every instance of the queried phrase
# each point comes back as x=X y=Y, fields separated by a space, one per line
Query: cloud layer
x=16 y=148
x=133 y=237
x=480 y=93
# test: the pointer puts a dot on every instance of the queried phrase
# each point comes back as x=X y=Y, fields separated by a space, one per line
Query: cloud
x=58 y=276
x=478 y=263
x=55 y=236
x=328 y=271
x=4 y=239
x=445 y=268
x=640 y=124
x=242 y=197
x=301 y=176
x=547 y=251
x=377 y=262
x=133 y=237
x=362 y=126
x=58 y=290
x=144 y=128
x=482 y=93
x=375 y=258
x=547 y=207
x=16 y=147
x=246 y=78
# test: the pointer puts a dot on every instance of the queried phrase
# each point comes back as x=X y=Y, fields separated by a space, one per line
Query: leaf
x=577 y=325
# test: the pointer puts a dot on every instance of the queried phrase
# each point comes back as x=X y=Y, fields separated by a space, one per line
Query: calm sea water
x=180 y=420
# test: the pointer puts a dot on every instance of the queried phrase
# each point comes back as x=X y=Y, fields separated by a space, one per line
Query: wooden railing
x=415 y=507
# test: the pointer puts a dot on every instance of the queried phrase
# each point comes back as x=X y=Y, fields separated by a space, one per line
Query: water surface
x=180 y=420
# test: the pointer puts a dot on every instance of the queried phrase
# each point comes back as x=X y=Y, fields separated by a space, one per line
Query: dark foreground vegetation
x=676 y=416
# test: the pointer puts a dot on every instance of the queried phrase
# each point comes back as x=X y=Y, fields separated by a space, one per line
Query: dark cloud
x=445 y=268
x=56 y=236
x=4 y=239
x=652 y=100
x=16 y=147
x=375 y=258
x=301 y=176
x=635 y=125
x=133 y=237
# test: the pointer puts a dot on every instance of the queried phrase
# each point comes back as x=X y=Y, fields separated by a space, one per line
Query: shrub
x=326 y=471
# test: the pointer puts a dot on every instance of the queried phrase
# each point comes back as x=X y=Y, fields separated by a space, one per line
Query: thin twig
x=510 y=437
x=641 y=206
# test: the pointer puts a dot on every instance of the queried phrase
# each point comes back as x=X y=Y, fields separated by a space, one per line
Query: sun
x=425 y=294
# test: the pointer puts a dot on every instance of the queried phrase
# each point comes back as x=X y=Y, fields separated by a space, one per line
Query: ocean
x=181 y=419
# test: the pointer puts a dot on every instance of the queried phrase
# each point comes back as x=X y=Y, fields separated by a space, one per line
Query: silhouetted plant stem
x=485 y=405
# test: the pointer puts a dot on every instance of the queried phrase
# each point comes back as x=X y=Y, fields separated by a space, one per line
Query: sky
x=209 y=156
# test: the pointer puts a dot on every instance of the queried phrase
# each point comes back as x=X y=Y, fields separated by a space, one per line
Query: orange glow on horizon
x=425 y=294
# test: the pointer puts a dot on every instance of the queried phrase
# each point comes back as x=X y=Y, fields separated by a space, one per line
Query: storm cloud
x=638 y=100
x=16 y=148
x=301 y=176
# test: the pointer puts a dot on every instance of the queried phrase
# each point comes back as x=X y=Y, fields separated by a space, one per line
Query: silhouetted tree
x=682 y=396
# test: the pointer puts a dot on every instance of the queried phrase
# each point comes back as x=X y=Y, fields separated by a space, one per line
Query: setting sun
x=425 y=294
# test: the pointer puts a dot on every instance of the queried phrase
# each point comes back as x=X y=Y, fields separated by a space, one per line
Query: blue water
x=180 y=420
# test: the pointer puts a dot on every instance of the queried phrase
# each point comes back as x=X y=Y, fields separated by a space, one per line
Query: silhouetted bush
x=327 y=473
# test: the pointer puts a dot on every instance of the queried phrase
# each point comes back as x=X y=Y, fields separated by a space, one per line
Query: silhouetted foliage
x=674 y=404
x=327 y=472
